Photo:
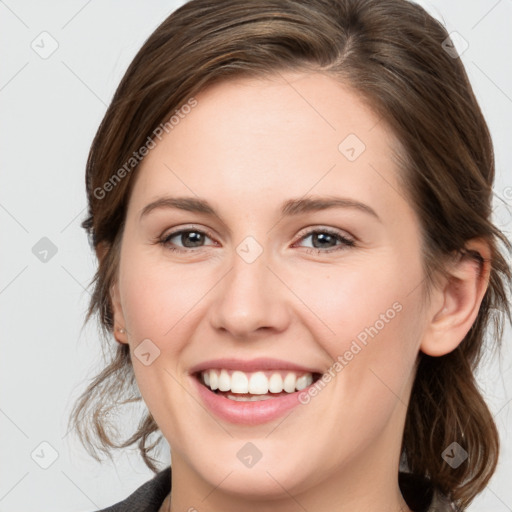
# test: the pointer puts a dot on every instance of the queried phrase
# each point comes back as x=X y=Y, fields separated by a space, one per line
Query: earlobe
x=459 y=300
x=120 y=333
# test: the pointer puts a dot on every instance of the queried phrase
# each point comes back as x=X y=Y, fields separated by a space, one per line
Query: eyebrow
x=291 y=207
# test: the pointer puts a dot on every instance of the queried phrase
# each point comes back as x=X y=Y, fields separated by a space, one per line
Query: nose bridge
x=249 y=297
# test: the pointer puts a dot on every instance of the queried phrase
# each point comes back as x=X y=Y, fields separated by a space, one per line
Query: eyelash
x=345 y=242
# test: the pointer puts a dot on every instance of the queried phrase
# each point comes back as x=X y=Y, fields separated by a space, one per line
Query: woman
x=290 y=203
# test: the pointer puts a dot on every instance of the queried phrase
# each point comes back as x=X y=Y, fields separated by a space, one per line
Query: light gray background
x=51 y=109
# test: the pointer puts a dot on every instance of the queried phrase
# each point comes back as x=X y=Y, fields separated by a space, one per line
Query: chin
x=271 y=478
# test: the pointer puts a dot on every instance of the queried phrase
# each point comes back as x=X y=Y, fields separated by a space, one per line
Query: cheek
x=158 y=305
x=348 y=300
x=157 y=298
x=368 y=321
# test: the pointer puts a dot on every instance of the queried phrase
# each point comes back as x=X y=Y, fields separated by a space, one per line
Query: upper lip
x=262 y=363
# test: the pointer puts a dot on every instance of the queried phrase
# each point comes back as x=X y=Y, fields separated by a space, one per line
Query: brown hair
x=390 y=52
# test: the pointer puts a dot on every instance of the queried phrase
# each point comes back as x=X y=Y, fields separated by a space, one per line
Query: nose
x=250 y=300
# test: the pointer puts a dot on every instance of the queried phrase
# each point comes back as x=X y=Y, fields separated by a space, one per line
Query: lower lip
x=248 y=413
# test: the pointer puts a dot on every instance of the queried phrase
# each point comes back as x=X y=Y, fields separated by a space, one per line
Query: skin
x=249 y=145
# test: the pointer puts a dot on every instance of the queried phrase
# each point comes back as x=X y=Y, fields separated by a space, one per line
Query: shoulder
x=422 y=496
x=148 y=497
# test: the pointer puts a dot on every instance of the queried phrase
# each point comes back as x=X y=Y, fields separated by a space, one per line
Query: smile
x=251 y=398
x=256 y=383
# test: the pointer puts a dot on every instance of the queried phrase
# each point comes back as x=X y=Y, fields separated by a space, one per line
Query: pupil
x=191 y=236
x=323 y=237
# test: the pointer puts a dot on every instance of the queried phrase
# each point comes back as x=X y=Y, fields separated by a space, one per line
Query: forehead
x=289 y=132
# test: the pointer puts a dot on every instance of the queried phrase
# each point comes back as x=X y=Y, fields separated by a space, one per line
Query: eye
x=192 y=240
x=189 y=238
x=326 y=240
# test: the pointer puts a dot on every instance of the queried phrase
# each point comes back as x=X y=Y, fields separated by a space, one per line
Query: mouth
x=252 y=392
x=255 y=386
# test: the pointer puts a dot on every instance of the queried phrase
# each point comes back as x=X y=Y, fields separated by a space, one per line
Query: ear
x=120 y=331
x=119 y=323
x=455 y=306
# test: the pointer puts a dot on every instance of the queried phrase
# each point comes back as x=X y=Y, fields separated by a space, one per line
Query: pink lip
x=247 y=413
x=252 y=365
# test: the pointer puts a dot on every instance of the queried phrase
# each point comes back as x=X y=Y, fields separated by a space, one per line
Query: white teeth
x=224 y=381
x=275 y=383
x=302 y=382
x=239 y=382
x=257 y=383
x=255 y=398
x=213 y=377
x=289 y=383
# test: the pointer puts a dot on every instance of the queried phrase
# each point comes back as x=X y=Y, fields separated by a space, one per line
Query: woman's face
x=278 y=271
